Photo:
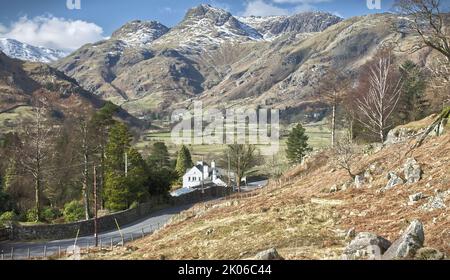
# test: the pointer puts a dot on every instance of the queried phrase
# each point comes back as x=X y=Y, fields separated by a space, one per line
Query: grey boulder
x=268 y=255
x=366 y=245
x=394 y=180
x=412 y=171
x=408 y=244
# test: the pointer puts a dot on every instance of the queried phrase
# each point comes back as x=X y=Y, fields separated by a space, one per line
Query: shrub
x=9 y=216
x=31 y=215
x=49 y=214
x=73 y=211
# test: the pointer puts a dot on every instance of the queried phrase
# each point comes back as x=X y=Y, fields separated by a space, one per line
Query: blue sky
x=34 y=21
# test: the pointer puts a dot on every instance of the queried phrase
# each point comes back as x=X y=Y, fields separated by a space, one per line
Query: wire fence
x=108 y=241
x=85 y=245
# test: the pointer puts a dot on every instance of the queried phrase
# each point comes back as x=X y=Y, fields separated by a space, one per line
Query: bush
x=9 y=216
x=49 y=214
x=31 y=215
x=73 y=211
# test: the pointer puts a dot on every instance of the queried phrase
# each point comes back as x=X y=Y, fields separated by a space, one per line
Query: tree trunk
x=102 y=178
x=444 y=115
x=238 y=183
x=350 y=131
x=37 y=197
x=381 y=136
x=350 y=173
x=85 y=190
x=85 y=187
x=333 y=126
x=381 y=124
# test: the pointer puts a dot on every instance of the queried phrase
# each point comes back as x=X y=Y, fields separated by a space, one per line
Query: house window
x=189 y=179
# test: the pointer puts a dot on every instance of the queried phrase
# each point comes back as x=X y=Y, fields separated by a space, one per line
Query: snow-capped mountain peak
x=138 y=33
x=273 y=26
x=206 y=27
x=22 y=51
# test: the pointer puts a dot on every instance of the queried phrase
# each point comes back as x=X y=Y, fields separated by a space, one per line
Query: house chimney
x=205 y=172
x=214 y=170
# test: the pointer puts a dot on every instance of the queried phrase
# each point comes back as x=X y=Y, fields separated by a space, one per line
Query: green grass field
x=319 y=137
x=10 y=120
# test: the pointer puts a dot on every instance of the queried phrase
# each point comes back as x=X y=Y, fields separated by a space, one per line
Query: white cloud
x=261 y=8
x=168 y=10
x=53 y=32
x=270 y=8
x=2 y=28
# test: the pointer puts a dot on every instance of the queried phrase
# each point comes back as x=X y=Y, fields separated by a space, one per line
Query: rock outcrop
x=268 y=255
x=408 y=244
x=429 y=254
x=437 y=201
x=366 y=245
x=394 y=180
x=412 y=171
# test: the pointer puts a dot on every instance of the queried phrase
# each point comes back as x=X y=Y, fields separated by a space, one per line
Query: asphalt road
x=131 y=231
x=146 y=226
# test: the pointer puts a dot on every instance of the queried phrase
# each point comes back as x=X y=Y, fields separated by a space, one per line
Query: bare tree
x=85 y=150
x=432 y=24
x=330 y=90
x=429 y=22
x=344 y=154
x=377 y=102
x=35 y=151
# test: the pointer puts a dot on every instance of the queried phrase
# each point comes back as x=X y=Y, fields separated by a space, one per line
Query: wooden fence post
x=29 y=254
x=12 y=253
x=45 y=251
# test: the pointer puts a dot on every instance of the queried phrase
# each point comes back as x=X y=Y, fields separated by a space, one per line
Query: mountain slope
x=188 y=60
x=21 y=82
x=226 y=61
x=19 y=50
x=138 y=33
x=308 y=214
x=272 y=26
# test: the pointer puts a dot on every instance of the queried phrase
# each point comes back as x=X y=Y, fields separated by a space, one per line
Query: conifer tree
x=116 y=191
x=297 y=144
x=184 y=161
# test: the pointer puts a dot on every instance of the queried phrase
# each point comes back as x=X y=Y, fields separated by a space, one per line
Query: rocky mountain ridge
x=22 y=81
x=186 y=61
x=19 y=50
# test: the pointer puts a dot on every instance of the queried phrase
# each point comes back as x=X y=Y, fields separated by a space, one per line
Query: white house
x=202 y=172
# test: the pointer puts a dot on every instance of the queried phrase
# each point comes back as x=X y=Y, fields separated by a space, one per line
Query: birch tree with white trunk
x=377 y=103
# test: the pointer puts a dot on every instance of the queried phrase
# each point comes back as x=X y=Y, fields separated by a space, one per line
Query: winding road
x=21 y=250
x=138 y=229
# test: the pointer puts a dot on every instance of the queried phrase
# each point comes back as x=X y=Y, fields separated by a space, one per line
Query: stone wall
x=106 y=223
x=198 y=196
x=67 y=231
x=4 y=234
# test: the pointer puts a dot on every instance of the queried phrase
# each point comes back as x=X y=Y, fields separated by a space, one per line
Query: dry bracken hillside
x=304 y=220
